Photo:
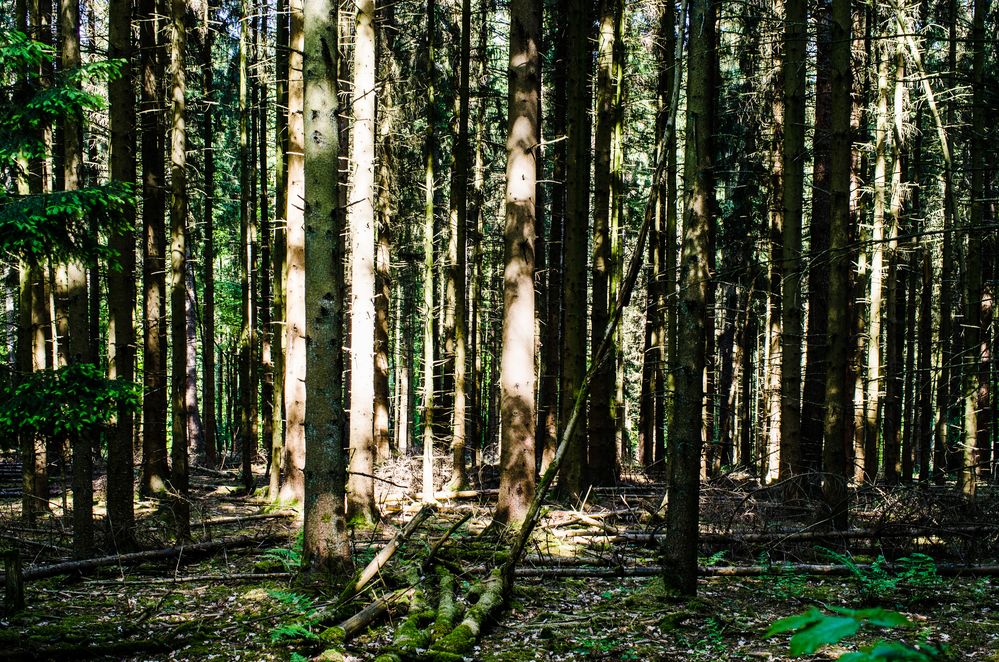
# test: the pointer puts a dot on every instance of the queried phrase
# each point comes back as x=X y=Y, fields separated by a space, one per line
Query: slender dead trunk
x=208 y=367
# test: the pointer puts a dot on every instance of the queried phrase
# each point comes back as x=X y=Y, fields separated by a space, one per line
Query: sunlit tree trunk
x=361 y=220
x=326 y=551
x=429 y=169
x=517 y=376
x=294 y=376
x=178 y=266
x=264 y=266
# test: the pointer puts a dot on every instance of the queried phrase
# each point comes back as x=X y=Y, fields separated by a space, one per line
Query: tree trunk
x=816 y=361
x=326 y=551
x=430 y=165
x=264 y=267
x=458 y=256
x=178 y=268
x=280 y=246
x=154 y=404
x=685 y=438
x=837 y=396
x=517 y=375
x=361 y=220
x=601 y=460
x=121 y=288
x=577 y=16
x=294 y=365
x=208 y=250
x=793 y=157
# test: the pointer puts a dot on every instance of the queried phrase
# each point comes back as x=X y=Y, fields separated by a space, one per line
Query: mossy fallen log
x=448 y=608
x=462 y=639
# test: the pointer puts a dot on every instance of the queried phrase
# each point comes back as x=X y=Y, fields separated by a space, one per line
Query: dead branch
x=86 y=565
x=386 y=553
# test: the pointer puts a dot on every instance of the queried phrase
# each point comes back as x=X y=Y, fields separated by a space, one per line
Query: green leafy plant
x=289 y=558
x=712 y=644
x=304 y=617
x=74 y=401
x=814 y=629
x=916 y=573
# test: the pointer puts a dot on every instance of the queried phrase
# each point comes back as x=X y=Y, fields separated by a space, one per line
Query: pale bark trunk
x=293 y=486
x=361 y=221
x=517 y=374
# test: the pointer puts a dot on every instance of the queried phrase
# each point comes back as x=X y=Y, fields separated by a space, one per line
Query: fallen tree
x=194 y=549
x=946 y=569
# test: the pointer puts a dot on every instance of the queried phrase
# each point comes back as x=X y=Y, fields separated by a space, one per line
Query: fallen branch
x=239 y=519
x=946 y=569
x=386 y=553
x=234 y=577
x=462 y=639
x=85 y=565
x=440 y=543
x=362 y=619
x=608 y=534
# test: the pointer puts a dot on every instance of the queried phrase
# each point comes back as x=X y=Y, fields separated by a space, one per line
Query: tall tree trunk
x=121 y=288
x=548 y=380
x=280 y=246
x=154 y=404
x=178 y=268
x=975 y=372
x=429 y=170
x=517 y=375
x=601 y=460
x=816 y=340
x=685 y=438
x=776 y=278
x=898 y=304
x=837 y=396
x=326 y=551
x=264 y=267
x=72 y=280
x=361 y=220
x=458 y=250
x=208 y=366
x=385 y=210
x=793 y=157
x=295 y=346
x=867 y=470
x=247 y=259
x=577 y=15
x=192 y=410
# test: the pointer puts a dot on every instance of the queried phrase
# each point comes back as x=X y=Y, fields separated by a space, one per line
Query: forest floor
x=243 y=604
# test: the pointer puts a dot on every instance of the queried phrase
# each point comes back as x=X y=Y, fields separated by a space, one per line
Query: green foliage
x=289 y=558
x=64 y=224
x=712 y=644
x=916 y=574
x=69 y=402
x=304 y=617
x=814 y=629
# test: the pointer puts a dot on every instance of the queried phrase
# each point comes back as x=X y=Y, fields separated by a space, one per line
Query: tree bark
x=685 y=438
x=577 y=16
x=517 y=374
x=837 y=396
x=293 y=486
x=326 y=551
x=121 y=288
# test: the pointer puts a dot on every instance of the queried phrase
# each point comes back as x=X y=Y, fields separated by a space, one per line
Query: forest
x=499 y=330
